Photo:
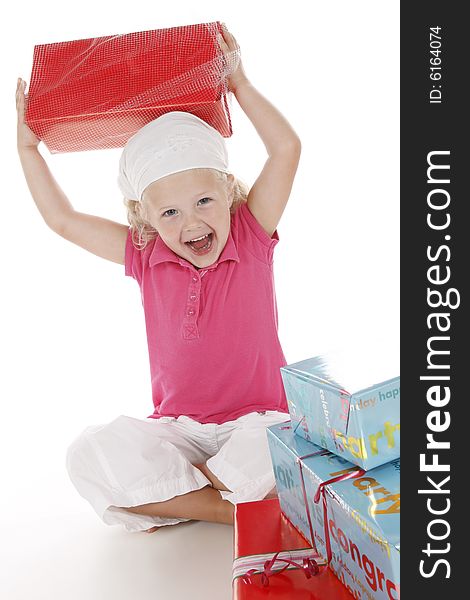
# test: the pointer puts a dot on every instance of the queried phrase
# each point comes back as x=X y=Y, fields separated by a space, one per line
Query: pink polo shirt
x=212 y=334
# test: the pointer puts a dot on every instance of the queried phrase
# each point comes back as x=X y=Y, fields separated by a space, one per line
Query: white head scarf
x=175 y=142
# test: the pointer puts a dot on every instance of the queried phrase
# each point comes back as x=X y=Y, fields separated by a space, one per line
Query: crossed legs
x=109 y=463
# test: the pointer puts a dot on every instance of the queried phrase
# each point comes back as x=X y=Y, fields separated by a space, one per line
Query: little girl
x=201 y=250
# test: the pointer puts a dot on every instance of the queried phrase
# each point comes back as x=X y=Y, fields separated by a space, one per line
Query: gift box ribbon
x=306 y=559
x=321 y=493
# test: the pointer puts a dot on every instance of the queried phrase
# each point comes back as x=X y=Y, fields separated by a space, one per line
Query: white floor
x=54 y=547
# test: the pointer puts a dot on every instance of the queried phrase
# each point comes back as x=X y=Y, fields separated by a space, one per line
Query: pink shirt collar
x=161 y=253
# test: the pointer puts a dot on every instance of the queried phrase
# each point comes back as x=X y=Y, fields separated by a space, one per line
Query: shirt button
x=193 y=297
x=194 y=278
x=191 y=312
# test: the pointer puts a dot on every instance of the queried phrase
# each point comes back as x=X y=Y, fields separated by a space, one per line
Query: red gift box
x=96 y=93
x=259 y=530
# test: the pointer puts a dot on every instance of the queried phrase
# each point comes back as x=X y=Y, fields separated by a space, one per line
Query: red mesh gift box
x=260 y=532
x=96 y=93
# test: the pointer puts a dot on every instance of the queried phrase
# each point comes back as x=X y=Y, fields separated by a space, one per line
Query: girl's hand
x=25 y=137
x=230 y=48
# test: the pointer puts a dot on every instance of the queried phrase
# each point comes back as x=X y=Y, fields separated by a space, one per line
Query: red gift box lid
x=261 y=528
x=96 y=93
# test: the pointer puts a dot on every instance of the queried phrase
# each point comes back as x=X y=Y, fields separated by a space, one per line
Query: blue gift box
x=360 y=423
x=357 y=518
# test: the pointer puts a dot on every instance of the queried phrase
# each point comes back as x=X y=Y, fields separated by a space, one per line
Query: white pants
x=130 y=462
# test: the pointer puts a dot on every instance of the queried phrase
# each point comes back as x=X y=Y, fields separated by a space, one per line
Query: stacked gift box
x=333 y=404
x=337 y=471
x=349 y=515
x=273 y=561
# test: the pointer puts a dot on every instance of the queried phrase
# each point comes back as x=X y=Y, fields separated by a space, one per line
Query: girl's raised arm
x=97 y=235
x=270 y=192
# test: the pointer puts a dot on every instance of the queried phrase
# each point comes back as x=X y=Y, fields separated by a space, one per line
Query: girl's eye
x=172 y=211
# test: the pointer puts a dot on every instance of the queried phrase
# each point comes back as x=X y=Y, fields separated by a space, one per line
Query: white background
x=73 y=343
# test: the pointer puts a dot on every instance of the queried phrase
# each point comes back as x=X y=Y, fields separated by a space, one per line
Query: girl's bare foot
x=151 y=530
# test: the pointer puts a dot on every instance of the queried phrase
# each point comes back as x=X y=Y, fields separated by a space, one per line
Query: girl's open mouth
x=201 y=245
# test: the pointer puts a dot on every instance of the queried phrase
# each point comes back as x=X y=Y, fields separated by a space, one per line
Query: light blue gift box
x=362 y=426
x=363 y=512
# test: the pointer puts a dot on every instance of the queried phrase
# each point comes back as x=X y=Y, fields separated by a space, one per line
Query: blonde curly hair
x=141 y=230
